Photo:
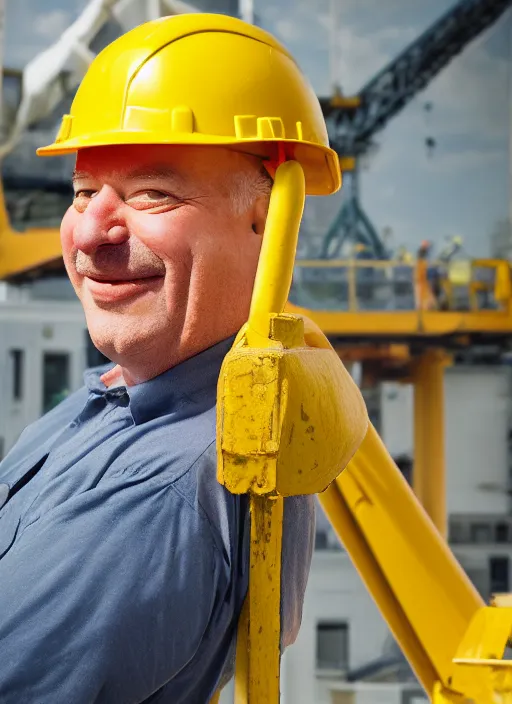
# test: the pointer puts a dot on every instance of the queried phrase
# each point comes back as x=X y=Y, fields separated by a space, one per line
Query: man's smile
x=112 y=291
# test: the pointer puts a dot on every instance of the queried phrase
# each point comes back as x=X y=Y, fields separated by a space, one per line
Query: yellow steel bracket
x=479 y=668
x=289 y=419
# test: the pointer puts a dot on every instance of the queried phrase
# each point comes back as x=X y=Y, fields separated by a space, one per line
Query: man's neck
x=113 y=378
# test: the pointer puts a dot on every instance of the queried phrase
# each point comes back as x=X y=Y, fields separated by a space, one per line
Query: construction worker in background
x=455 y=274
x=362 y=251
x=404 y=256
x=452 y=248
x=424 y=295
x=123 y=563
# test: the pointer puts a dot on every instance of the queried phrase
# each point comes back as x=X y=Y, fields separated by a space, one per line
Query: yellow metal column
x=289 y=419
x=429 y=480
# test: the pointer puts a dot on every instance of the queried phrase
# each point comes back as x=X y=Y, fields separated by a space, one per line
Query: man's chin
x=117 y=341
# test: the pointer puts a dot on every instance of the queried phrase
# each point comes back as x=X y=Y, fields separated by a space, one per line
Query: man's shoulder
x=41 y=431
x=168 y=445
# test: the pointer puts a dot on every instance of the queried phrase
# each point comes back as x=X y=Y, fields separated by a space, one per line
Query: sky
x=461 y=188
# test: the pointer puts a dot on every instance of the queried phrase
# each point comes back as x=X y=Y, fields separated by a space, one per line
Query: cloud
x=50 y=25
x=288 y=30
x=30 y=29
x=463 y=162
x=473 y=93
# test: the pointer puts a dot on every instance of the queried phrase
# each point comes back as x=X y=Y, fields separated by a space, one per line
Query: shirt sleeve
x=297 y=546
x=297 y=552
x=108 y=596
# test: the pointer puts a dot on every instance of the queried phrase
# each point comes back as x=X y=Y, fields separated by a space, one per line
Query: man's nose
x=102 y=222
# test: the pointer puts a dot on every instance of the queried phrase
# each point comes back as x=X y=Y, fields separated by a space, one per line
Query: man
x=123 y=563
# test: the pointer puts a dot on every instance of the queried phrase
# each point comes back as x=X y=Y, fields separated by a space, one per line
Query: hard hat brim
x=310 y=155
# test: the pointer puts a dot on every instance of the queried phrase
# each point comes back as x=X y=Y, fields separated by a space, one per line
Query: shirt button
x=4 y=494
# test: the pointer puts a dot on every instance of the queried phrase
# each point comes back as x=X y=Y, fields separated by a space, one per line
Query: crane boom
x=407 y=74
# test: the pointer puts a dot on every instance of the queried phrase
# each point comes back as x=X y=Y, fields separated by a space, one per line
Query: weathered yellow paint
x=241 y=678
x=22 y=251
x=265 y=598
x=289 y=418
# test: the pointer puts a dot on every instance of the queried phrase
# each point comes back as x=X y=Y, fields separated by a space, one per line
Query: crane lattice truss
x=354 y=123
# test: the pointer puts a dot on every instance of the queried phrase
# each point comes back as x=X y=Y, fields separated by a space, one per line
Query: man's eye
x=151 y=196
x=150 y=199
x=84 y=193
x=81 y=199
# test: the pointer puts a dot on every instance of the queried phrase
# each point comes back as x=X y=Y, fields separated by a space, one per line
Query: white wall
x=36 y=327
x=475 y=559
x=477 y=411
x=397 y=418
x=335 y=592
x=477 y=408
x=369 y=693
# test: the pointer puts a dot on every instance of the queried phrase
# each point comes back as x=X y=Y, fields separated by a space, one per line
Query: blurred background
x=418 y=101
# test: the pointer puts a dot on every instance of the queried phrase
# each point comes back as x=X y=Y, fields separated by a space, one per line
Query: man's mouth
x=105 y=290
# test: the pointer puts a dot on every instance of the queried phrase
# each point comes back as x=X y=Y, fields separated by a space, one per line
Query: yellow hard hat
x=202 y=79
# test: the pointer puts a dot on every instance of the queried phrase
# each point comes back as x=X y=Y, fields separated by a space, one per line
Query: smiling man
x=123 y=563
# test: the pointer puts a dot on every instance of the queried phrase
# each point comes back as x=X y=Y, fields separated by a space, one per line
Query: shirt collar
x=166 y=392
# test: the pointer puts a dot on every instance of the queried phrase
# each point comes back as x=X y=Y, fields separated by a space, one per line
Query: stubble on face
x=203 y=260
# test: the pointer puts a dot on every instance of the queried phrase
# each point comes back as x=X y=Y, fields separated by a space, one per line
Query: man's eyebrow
x=155 y=171
x=77 y=175
x=144 y=172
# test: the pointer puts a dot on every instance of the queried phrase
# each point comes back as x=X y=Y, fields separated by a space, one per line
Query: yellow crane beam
x=21 y=252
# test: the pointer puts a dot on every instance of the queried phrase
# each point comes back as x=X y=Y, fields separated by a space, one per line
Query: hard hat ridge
x=201 y=79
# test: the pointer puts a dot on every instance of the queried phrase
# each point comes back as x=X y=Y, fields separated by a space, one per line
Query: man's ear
x=259 y=214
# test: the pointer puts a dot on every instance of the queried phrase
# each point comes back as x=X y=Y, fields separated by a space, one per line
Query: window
x=321 y=540
x=481 y=533
x=332 y=646
x=501 y=533
x=499 y=574
x=480 y=578
x=457 y=532
x=17 y=364
x=55 y=379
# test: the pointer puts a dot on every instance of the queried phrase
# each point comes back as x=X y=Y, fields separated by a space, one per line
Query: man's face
x=161 y=261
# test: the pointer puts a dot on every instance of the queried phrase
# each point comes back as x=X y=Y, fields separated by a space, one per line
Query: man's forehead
x=136 y=161
x=146 y=171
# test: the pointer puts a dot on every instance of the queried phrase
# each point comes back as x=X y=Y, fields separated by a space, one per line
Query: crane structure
x=354 y=121
x=280 y=390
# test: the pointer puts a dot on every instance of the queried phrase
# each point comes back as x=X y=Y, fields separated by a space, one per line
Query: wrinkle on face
x=129 y=260
x=205 y=252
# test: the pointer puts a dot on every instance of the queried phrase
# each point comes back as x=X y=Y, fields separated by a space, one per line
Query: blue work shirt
x=123 y=562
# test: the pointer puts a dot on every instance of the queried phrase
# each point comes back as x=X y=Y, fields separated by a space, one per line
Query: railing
x=367 y=285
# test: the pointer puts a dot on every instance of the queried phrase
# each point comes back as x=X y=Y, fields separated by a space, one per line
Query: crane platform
x=385 y=301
